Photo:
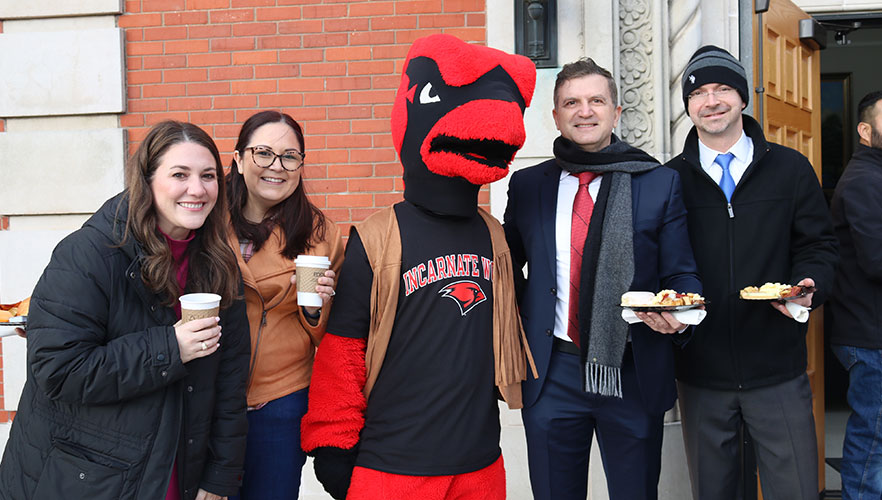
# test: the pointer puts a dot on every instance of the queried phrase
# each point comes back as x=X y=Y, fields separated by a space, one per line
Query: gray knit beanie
x=711 y=64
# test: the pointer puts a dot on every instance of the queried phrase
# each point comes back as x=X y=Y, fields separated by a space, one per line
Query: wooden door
x=792 y=117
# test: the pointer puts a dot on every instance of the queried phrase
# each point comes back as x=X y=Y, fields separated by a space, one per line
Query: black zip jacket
x=108 y=405
x=777 y=228
x=856 y=306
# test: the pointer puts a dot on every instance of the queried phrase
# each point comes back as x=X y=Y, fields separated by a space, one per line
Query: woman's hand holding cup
x=198 y=338
x=198 y=332
x=324 y=288
x=314 y=283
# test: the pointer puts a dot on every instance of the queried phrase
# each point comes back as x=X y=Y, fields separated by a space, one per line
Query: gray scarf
x=608 y=259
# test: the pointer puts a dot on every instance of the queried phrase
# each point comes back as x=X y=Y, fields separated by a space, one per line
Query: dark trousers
x=273 y=458
x=560 y=427
x=779 y=420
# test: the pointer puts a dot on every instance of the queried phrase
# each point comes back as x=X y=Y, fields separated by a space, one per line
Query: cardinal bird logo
x=466 y=294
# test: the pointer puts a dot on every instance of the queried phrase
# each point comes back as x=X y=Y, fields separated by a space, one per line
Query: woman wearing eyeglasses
x=271 y=222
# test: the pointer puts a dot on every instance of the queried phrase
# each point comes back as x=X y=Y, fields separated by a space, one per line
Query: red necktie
x=583 y=206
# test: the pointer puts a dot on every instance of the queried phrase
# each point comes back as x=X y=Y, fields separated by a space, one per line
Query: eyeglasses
x=264 y=158
x=719 y=93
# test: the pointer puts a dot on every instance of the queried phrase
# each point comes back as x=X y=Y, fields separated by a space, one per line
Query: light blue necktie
x=727 y=183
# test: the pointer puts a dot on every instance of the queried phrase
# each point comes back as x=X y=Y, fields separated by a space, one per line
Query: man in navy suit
x=596 y=374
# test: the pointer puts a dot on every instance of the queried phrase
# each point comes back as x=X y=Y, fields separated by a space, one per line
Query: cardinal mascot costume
x=425 y=333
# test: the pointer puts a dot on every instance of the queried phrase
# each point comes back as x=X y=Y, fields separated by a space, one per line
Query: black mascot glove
x=333 y=468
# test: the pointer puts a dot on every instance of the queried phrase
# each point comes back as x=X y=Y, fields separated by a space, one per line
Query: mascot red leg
x=485 y=484
x=424 y=332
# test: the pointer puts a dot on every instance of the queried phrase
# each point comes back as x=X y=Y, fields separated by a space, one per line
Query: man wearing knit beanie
x=711 y=64
x=756 y=214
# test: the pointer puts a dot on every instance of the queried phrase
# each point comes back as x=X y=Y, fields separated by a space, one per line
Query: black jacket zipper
x=730 y=233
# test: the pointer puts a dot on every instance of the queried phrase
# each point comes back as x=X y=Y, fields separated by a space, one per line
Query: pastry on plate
x=664 y=298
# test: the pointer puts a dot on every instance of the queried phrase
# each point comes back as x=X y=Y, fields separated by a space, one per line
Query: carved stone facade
x=684 y=39
x=654 y=43
x=636 y=77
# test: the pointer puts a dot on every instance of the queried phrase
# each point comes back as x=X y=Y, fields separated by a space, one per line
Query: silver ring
x=333 y=292
x=204 y=347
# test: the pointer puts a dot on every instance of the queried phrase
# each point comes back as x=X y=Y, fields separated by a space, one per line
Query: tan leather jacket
x=282 y=340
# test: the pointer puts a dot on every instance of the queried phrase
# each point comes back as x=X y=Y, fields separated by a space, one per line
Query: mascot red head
x=457 y=121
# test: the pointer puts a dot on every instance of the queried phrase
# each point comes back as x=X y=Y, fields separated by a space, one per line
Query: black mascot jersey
x=446 y=421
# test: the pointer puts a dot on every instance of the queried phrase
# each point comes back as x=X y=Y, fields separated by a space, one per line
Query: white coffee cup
x=309 y=269
x=199 y=305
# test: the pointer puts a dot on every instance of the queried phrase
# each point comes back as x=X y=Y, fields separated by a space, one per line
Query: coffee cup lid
x=200 y=300
x=305 y=260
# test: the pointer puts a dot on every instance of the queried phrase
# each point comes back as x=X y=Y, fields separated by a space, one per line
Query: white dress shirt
x=743 y=151
x=563 y=223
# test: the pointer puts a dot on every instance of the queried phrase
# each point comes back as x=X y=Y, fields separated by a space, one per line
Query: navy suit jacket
x=663 y=259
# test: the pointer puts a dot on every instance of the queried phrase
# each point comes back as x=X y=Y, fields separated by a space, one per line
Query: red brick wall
x=333 y=65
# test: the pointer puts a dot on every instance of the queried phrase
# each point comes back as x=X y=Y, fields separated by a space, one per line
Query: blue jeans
x=862 y=450
x=273 y=457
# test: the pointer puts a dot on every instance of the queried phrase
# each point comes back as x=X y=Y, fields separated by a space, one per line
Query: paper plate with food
x=775 y=291
x=665 y=300
x=14 y=315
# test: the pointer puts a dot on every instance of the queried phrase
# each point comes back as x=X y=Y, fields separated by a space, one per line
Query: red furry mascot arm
x=336 y=401
x=331 y=427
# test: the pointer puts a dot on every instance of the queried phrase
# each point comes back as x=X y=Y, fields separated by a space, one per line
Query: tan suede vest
x=382 y=242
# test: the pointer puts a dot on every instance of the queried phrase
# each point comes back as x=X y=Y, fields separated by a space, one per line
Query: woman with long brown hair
x=123 y=400
x=272 y=221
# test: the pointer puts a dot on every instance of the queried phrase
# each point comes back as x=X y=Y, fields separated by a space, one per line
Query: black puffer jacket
x=108 y=405
x=779 y=229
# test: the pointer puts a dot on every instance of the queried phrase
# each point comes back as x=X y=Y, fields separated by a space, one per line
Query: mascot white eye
x=425 y=98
